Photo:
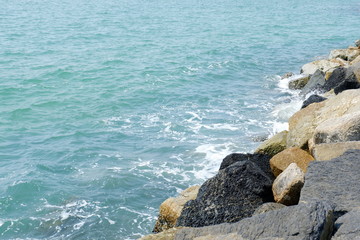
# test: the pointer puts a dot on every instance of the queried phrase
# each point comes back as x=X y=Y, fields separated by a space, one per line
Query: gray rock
x=233 y=194
x=347 y=227
x=287 y=75
x=316 y=82
x=266 y=207
x=313 y=220
x=312 y=99
x=336 y=180
x=287 y=186
x=357 y=43
x=261 y=160
x=340 y=129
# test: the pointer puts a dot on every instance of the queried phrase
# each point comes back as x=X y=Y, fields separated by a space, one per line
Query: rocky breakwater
x=299 y=184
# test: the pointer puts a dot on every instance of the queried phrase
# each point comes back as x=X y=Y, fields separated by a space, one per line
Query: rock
x=274 y=145
x=348 y=54
x=347 y=227
x=287 y=186
x=328 y=151
x=282 y=160
x=261 y=160
x=298 y=82
x=287 y=75
x=316 y=82
x=357 y=43
x=356 y=60
x=171 y=208
x=266 y=207
x=343 y=79
x=165 y=235
x=341 y=129
x=336 y=180
x=233 y=194
x=322 y=65
x=313 y=220
x=303 y=123
x=312 y=99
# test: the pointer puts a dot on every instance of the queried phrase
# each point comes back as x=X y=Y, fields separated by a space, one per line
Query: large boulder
x=260 y=159
x=347 y=227
x=303 y=123
x=312 y=99
x=336 y=180
x=171 y=208
x=287 y=186
x=298 y=82
x=347 y=54
x=322 y=65
x=341 y=129
x=233 y=194
x=274 y=145
x=316 y=82
x=282 y=160
x=313 y=220
x=328 y=151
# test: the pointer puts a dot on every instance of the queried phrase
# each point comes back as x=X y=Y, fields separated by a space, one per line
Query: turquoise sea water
x=110 y=107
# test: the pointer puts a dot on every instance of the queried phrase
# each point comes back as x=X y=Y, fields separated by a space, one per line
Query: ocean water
x=110 y=107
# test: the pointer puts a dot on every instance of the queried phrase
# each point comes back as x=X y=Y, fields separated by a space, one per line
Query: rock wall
x=312 y=170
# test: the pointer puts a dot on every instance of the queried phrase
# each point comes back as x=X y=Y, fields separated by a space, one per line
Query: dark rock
x=299 y=82
x=233 y=194
x=342 y=79
x=313 y=220
x=336 y=78
x=287 y=75
x=348 y=226
x=266 y=207
x=312 y=99
x=261 y=160
x=316 y=82
x=336 y=180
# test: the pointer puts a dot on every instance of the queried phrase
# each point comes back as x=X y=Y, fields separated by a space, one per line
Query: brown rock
x=171 y=208
x=356 y=60
x=282 y=160
x=287 y=186
x=328 y=151
x=274 y=145
x=303 y=123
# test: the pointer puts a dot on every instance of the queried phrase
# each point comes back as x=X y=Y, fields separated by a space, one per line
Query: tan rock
x=165 y=235
x=356 y=60
x=322 y=65
x=230 y=236
x=341 y=129
x=348 y=54
x=282 y=160
x=287 y=186
x=171 y=208
x=328 y=151
x=274 y=145
x=303 y=123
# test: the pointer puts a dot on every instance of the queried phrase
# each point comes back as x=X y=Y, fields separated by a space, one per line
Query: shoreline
x=283 y=181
